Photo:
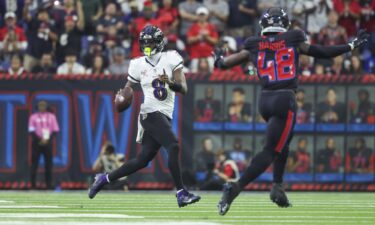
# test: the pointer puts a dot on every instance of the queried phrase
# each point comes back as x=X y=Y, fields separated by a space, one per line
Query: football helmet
x=151 y=40
x=274 y=20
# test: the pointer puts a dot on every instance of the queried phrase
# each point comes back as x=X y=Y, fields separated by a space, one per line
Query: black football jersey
x=276 y=58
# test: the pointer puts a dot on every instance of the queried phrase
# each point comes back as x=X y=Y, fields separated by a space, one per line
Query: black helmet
x=153 y=36
x=274 y=20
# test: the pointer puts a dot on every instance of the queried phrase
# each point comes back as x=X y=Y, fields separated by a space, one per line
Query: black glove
x=360 y=40
x=218 y=55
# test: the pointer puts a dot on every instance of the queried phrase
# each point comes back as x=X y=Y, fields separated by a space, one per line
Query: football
x=123 y=99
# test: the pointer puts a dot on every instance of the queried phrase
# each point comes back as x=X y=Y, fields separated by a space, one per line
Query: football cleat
x=100 y=181
x=230 y=192
x=278 y=196
x=185 y=198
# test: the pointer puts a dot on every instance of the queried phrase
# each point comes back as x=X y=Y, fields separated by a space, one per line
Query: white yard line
x=67 y=215
x=31 y=207
x=102 y=223
x=5 y=201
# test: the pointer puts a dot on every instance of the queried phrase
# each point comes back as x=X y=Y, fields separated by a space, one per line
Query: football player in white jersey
x=160 y=76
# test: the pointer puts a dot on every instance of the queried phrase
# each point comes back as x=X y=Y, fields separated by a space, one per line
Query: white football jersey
x=157 y=95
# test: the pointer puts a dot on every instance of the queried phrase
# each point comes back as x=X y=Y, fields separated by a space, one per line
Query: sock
x=258 y=165
x=279 y=166
x=128 y=168
x=174 y=165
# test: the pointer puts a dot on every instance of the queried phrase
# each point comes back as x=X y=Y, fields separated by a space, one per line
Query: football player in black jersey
x=275 y=54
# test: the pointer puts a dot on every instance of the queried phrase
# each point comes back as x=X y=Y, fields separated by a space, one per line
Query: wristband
x=175 y=87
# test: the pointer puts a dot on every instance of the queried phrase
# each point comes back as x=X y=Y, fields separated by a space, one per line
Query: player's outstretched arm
x=178 y=84
x=321 y=51
x=222 y=62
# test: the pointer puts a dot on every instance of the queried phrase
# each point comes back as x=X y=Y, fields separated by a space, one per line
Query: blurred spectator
x=60 y=11
x=46 y=65
x=359 y=158
x=239 y=154
x=168 y=16
x=70 y=66
x=43 y=127
x=208 y=109
x=112 y=39
x=70 y=35
x=230 y=44
x=242 y=13
x=317 y=18
x=299 y=10
x=134 y=11
x=95 y=48
x=120 y=63
x=93 y=11
x=41 y=36
x=365 y=112
x=299 y=161
x=219 y=13
x=201 y=38
x=109 y=18
x=303 y=108
x=109 y=161
x=328 y=160
x=349 y=12
x=187 y=10
x=337 y=66
x=332 y=34
x=97 y=67
x=265 y=4
x=331 y=110
x=16 y=67
x=367 y=16
x=12 y=6
x=238 y=109
x=356 y=68
x=369 y=60
x=12 y=37
x=305 y=66
x=225 y=170
x=205 y=159
x=139 y=23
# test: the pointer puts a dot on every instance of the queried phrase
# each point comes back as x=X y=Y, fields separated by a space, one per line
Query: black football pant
x=278 y=108
x=158 y=132
x=37 y=151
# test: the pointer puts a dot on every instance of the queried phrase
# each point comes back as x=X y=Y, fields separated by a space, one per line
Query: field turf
x=148 y=208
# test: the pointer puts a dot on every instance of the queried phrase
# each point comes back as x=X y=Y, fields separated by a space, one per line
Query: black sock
x=129 y=167
x=174 y=166
x=279 y=166
x=258 y=165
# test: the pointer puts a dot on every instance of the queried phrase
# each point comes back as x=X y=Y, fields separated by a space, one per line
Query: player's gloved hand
x=360 y=40
x=218 y=55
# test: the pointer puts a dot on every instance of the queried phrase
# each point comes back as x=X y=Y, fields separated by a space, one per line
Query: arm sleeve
x=133 y=76
x=320 y=51
x=55 y=124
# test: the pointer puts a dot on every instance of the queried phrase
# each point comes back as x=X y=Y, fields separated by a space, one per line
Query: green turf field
x=147 y=208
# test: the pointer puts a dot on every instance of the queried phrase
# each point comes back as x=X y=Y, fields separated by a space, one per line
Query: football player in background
x=160 y=76
x=275 y=54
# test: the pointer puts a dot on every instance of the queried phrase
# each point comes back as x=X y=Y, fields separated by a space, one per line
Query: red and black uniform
x=276 y=57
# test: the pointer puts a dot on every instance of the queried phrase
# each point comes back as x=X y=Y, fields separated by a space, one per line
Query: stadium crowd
x=100 y=36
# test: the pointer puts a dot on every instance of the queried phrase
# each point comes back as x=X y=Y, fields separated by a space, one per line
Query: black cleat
x=230 y=192
x=100 y=181
x=185 y=198
x=278 y=196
